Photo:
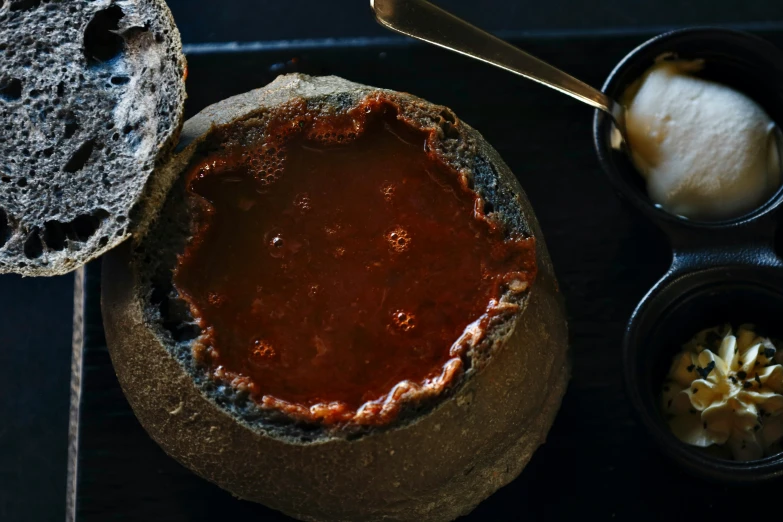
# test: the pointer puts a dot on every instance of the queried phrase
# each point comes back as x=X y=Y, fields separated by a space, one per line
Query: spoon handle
x=425 y=21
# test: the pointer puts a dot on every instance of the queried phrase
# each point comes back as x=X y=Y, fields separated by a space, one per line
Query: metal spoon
x=425 y=21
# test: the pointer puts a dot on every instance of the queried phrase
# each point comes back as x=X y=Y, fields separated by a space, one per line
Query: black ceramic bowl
x=740 y=60
x=667 y=318
x=722 y=272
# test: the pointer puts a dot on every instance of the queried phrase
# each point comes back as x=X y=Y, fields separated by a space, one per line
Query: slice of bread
x=91 y=100
x=437 y=460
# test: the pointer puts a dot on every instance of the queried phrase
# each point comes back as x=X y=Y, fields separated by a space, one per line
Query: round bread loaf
x=439 y=458
x=91 y=99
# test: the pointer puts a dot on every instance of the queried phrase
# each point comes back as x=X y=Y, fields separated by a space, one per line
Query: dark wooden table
x=597 y=462
x=36 y=314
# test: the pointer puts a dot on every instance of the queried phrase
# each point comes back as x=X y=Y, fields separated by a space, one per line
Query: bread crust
x=437 y=467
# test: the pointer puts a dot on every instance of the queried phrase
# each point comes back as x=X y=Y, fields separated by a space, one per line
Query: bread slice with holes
x=91 y=100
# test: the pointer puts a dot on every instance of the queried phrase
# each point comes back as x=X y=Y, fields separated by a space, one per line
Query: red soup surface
x=337 y=259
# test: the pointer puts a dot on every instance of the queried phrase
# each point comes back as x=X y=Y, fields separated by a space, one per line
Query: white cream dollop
x=707 y=151
x=726 y=390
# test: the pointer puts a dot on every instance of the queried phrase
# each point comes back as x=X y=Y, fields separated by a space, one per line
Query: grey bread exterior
x=91 y=100
x=434 y=466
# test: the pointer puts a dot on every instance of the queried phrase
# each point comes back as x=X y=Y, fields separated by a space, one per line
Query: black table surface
x=545 y=139
x=597 y=461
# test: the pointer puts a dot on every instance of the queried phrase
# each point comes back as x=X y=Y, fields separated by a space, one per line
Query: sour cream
x=707 y=151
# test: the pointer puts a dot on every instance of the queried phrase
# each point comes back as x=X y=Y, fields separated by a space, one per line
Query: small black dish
x=721 y=272
x=675 y=310
x=740 y=60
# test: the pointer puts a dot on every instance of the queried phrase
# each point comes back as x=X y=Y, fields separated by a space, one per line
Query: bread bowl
x=442 y=447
